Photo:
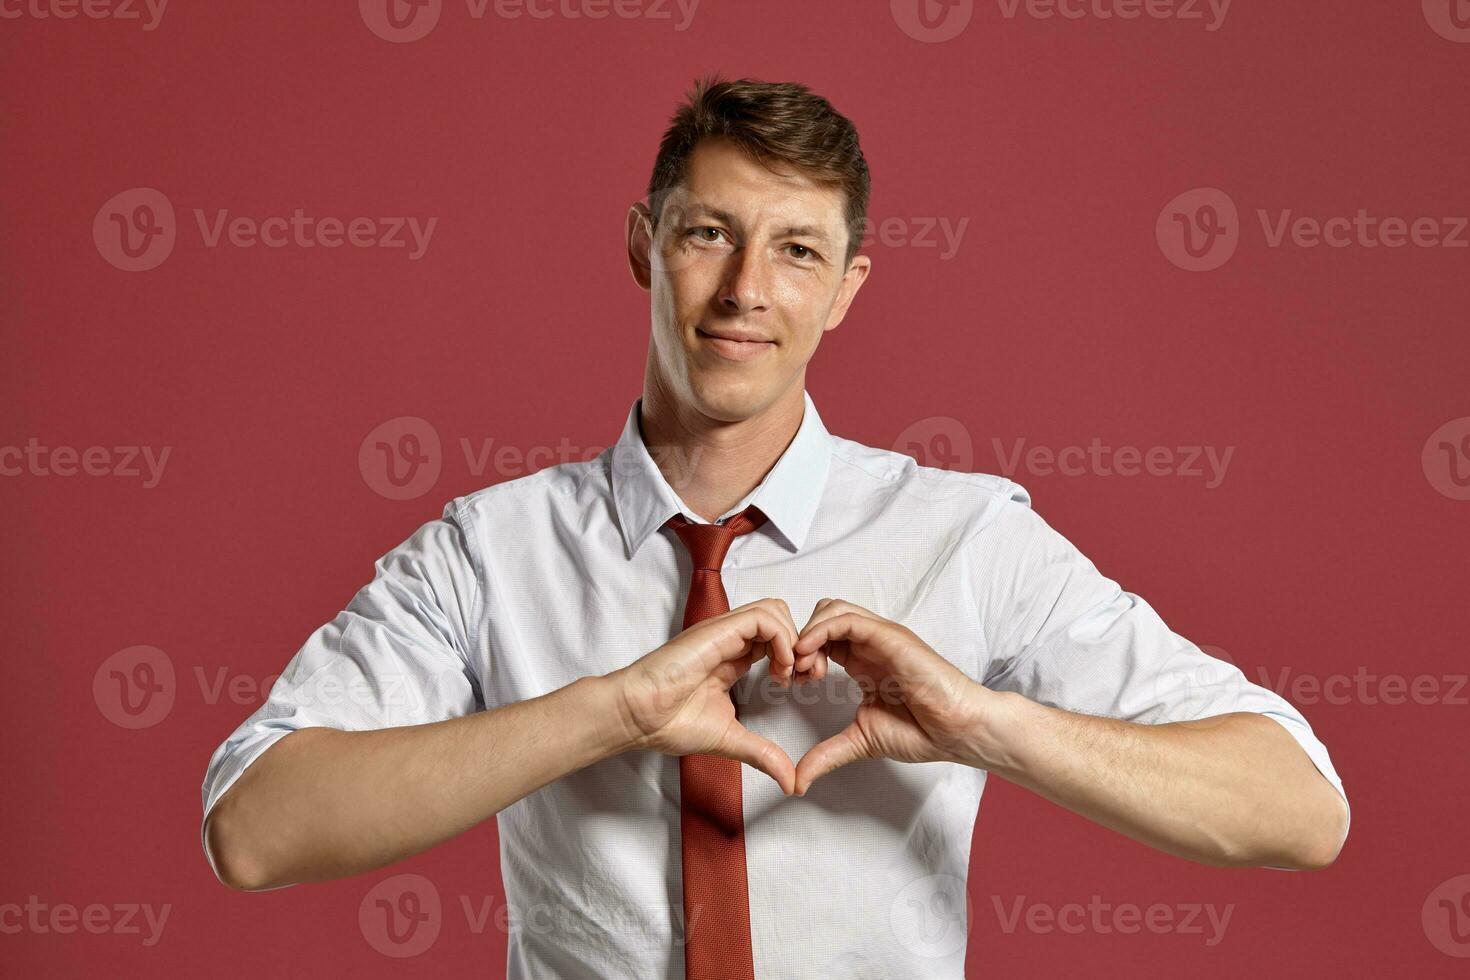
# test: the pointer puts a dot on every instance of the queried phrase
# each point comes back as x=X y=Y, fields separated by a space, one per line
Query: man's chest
x=552 y=616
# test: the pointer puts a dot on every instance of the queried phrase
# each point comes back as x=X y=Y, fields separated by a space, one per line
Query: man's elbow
x=233 y=864
x=1325 y=844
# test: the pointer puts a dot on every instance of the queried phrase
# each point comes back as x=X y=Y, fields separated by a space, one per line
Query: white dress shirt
x=523 y=587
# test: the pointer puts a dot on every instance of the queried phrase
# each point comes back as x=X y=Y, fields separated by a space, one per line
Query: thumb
x=754 y=750
x=846 y=746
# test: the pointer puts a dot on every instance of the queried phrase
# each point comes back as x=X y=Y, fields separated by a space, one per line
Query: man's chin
x=728 y=399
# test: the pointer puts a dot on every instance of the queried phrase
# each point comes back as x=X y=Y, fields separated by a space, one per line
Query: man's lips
x=736 y=346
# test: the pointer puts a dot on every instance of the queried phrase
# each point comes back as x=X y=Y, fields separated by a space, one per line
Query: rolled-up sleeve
x=400 y=653
x=1064 y=635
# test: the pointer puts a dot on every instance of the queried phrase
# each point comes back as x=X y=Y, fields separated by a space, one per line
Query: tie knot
x=708 y=543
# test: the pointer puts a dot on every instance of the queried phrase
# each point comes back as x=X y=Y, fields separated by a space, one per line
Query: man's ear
x=640 y=243
x=852 y=281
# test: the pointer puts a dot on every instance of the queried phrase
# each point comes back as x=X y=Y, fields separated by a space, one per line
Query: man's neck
x=710 y=463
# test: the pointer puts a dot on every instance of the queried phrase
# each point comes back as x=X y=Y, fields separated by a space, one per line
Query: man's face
x=745 y=273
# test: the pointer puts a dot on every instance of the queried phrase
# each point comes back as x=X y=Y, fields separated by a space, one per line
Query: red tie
x=711 y=820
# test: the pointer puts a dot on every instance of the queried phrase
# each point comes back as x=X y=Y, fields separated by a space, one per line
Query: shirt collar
x=788 y=495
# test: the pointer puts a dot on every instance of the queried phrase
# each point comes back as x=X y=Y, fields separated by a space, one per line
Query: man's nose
x=747 y=282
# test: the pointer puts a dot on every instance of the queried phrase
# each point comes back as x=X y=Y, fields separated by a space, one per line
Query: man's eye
x=807 y=253
x=698 y=233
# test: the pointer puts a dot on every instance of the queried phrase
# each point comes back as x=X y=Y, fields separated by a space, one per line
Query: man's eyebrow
x=801 y=231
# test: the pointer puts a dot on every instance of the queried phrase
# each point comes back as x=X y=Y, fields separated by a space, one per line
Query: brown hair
x=774 y=122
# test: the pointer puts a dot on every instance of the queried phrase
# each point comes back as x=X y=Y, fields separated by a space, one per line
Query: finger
x=783 y=656
x=832 y=609
x=731 y=671
x=811 y=665
x=830 y=754
x=857 y=627
x=736 y=631
x=823 y=609
x=783 y=670
x=754 y=750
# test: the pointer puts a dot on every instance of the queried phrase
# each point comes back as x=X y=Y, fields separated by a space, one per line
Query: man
x=523 y=656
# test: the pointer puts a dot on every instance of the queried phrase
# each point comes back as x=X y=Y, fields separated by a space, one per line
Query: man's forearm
x=1234 y=790
x=322 y=803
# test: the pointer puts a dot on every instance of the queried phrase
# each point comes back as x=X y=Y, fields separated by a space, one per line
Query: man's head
x=747 y=243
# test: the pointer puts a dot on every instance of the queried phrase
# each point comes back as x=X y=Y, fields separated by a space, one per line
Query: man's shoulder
x=925 y=483
x=526 y=493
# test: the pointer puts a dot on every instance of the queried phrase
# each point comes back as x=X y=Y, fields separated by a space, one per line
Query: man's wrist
x=995 y=737
x=603 y=700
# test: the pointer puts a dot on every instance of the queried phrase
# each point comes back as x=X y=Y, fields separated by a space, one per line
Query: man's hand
x=916 y=706
x=676 y=700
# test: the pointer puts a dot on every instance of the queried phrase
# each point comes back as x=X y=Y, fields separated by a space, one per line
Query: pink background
x=1334 y=544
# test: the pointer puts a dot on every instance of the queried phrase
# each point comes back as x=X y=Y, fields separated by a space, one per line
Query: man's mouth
x=736 y=345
